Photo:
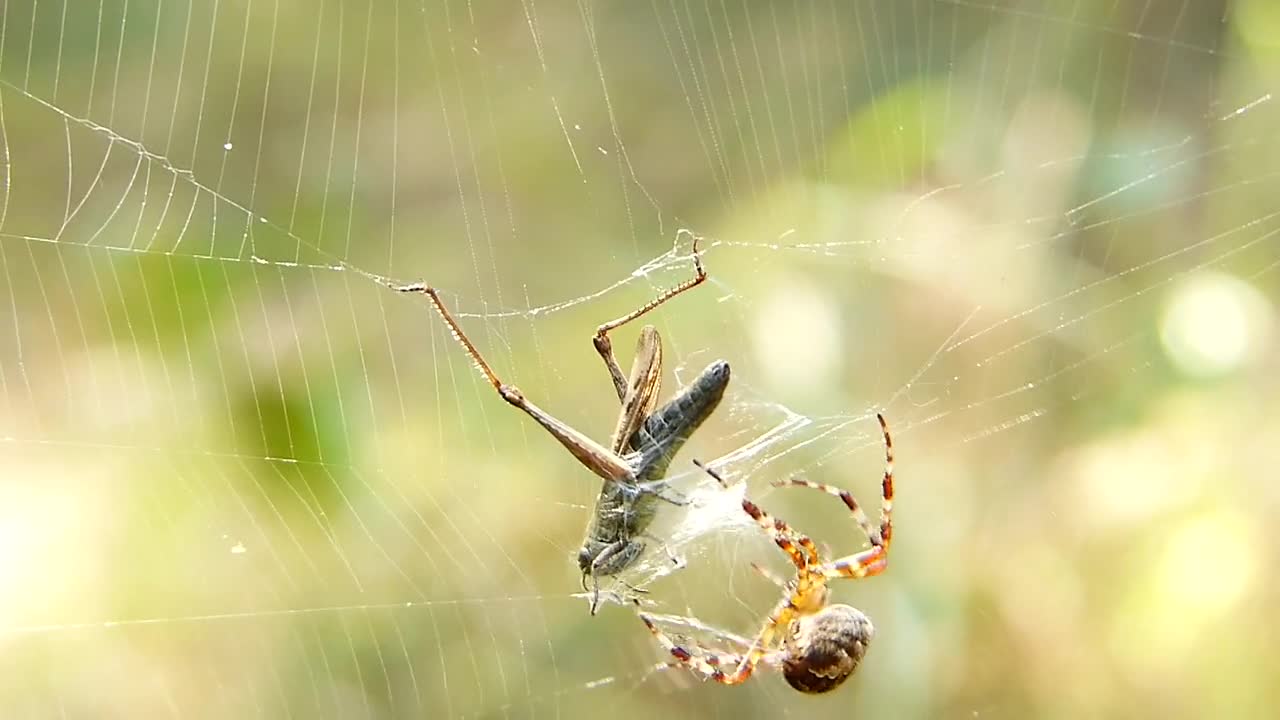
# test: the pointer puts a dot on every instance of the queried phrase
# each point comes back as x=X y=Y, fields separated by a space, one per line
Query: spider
x=821 y=643
x=643 y=443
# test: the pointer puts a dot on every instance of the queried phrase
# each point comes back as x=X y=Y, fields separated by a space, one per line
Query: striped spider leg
x=644 y=439
x=821 y=643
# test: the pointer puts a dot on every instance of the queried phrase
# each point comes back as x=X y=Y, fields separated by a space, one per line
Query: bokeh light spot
x=1213 y=324
x=1196 y=578
x=797 y=337
x=1207 y=566
x=1258 y=22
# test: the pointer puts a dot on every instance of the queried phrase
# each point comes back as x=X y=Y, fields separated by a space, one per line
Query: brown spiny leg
x=599 y=459
x=604 y=345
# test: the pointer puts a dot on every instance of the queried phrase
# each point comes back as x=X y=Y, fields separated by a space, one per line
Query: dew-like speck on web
x=226 y=146
x=238 y=549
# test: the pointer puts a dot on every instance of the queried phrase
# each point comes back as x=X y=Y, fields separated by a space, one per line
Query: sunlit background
x=240 y=477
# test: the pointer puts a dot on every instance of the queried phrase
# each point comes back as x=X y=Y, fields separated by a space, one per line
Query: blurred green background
x=242 y=478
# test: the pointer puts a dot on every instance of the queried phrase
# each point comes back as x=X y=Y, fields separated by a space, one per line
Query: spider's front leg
x=873 y=560
x=781 y=533
x=771 y=576
x=708 y=664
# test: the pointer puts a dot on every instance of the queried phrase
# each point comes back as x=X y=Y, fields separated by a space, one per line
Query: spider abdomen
x=825 y=648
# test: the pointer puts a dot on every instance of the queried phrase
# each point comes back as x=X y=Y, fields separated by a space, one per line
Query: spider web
x=243 y=478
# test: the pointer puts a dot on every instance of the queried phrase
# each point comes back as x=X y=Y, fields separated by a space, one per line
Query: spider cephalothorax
x=816 y=644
